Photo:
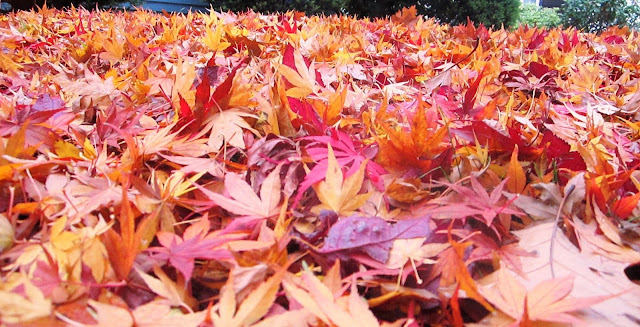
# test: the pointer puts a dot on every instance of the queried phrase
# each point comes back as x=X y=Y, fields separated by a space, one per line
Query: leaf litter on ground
x=246 y=169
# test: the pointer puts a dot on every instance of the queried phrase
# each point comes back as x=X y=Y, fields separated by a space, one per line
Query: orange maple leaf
x=422 y=150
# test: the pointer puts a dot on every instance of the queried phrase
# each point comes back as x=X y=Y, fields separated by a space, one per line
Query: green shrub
x=533 y=15
x=495 y=12
x=379 y=8
x=89 y=4
x=487 y=12
x=310 y=7
x=597 y=15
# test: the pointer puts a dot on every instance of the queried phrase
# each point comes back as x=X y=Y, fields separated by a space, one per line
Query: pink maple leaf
x=196 y=242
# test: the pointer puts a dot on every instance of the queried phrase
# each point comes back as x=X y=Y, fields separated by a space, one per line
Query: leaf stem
x=555 y=226
x=457 y=63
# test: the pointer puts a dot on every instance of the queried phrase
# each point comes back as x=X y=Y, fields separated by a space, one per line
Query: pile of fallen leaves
x=284 y=170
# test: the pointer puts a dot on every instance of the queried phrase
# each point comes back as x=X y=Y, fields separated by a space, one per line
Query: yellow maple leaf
x=7 y=64
x=6 y=233
x=213 y=37
x=66 y=150
x=337 y=193
x=16 y=308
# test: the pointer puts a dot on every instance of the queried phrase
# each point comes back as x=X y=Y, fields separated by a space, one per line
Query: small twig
x=457 y=63
x=555 y=227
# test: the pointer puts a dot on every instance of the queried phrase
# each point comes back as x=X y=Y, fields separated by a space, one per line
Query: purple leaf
x=45 y=103
x=371 y=235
